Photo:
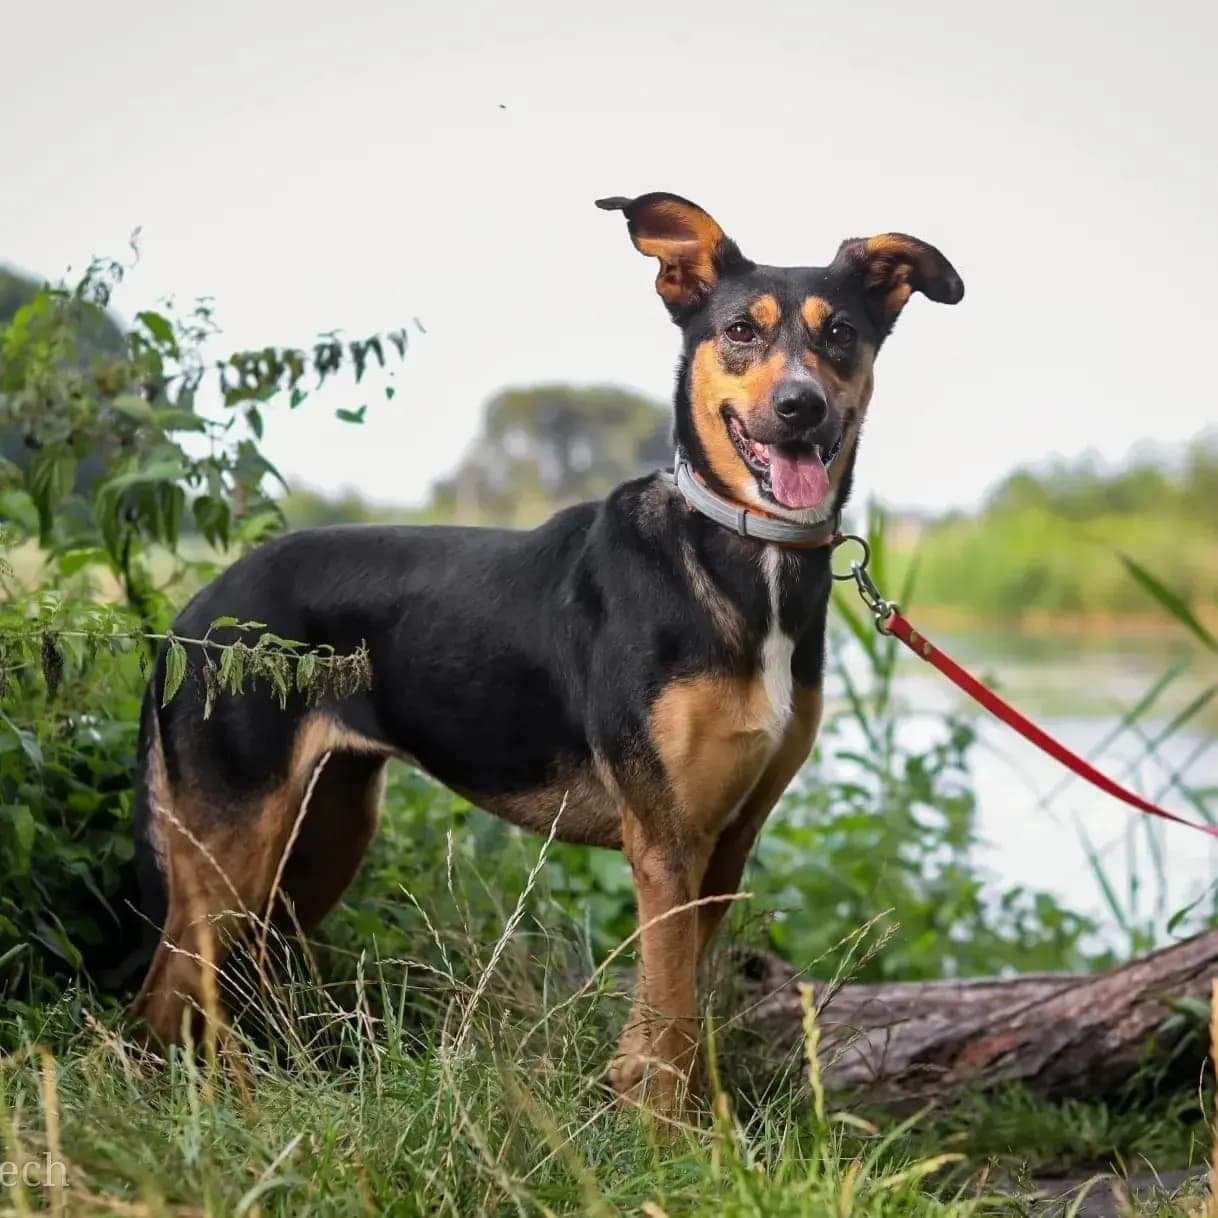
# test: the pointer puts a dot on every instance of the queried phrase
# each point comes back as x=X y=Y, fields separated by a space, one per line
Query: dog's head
x=776 y=373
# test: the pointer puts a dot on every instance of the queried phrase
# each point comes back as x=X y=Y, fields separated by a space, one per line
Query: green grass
x=467 y=1081
x=442 y=1052
x=409 y=1125
x=443 y=1103
x=1014 y=1129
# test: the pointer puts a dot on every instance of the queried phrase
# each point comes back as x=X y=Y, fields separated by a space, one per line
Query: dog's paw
x=630 y=1063
x=627 y=1074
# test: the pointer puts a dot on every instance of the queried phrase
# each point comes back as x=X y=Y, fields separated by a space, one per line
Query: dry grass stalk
x=1211 y=1204
x=55 y=1183
x=283 y=861
x=509 y=929
x=811 y=1049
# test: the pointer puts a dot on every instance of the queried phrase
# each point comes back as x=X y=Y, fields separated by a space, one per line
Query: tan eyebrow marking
x=765 y=311
x=816 y=311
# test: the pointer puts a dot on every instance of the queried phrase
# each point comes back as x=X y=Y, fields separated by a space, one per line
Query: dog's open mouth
x=794 y=474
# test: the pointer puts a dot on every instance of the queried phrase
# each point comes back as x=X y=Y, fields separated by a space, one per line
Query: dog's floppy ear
x=894 y=266
x=692 y=249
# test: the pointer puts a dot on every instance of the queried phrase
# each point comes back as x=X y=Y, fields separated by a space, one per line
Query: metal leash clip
x=880 y=609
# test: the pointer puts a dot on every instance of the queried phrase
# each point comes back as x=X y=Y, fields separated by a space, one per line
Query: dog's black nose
x=800 y=403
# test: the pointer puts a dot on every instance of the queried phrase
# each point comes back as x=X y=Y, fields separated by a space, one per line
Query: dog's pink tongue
x=799 y=479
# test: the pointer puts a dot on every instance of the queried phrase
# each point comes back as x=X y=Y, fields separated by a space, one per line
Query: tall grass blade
x=910 y=582
x=857 y=624
x=1101 y=878
x=1136 y=712
x=1197 y=797
x=1173 y=602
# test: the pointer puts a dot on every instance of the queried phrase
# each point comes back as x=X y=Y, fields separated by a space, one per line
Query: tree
x=551 y=445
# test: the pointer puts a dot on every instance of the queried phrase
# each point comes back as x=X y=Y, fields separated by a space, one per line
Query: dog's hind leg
x=332 y=839
x=218 y=880
x=221 y=863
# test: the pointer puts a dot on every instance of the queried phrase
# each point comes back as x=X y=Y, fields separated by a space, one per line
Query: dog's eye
x=741 y=332
x=842 y=334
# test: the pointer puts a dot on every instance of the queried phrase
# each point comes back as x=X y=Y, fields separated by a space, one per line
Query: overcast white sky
x=361 y=164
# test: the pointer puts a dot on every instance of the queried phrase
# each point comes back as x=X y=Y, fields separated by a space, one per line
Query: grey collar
x=739 y=519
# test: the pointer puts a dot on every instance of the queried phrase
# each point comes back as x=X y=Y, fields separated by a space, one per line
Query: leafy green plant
x=121 y=447
x=134 y=467
x=65 y=806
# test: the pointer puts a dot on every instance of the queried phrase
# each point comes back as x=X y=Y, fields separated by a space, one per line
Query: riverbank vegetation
x=1046 y=547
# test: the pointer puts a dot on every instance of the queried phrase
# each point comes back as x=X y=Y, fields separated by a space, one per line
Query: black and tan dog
x=636 y=662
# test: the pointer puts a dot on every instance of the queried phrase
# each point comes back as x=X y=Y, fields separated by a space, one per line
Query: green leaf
x=352 y=416
x=306 y=670
x=165 y=470
x=20 y=821
x=56 y=939
x=26 y=741
x=171 y=502
x=270 y=639
x=259 y=525
x=133 y=406
x=220 y=622
x=175 y=670
x=253 y=416
x=1195 y=1009
x=1096 y=865
x=1174 y=922
x=608 y=870
x=72 y=561
x=18 y=508
x=212 y=517
x=159 y=327
x=178 y=420
x=910 y=582
x=859 y=626
x=52 y=475
x=1173 y=602
x=12 y=952
x=232 y=669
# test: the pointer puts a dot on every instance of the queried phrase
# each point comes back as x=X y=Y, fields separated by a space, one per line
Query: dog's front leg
x=657 y=1057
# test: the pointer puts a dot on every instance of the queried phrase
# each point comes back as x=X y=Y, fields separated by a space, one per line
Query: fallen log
x=1060 y=1034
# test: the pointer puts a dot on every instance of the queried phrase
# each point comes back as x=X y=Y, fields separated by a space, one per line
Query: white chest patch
x=777 y=650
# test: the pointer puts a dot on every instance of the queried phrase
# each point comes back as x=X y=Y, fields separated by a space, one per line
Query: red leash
x=888 y=620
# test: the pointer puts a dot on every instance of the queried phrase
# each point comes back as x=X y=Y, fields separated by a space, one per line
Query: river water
x=1036 y=820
